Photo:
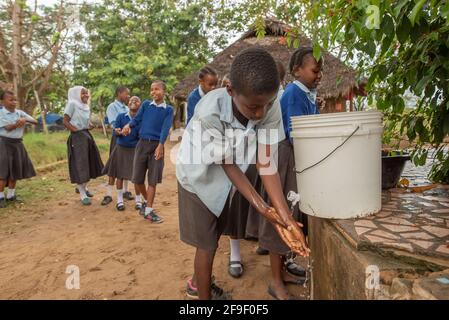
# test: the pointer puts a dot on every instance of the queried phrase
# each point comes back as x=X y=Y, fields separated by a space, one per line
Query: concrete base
x=341 y=272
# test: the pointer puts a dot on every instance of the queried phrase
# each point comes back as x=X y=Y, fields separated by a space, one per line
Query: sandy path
x=119 y=255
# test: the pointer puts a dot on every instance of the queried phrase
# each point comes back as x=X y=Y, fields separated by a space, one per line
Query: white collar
x=311 y=94
x=121 y=104
x=9 y=112
x=162 y=105
x=201 y=92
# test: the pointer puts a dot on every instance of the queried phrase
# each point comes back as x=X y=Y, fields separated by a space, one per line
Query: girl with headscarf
x=84 y=158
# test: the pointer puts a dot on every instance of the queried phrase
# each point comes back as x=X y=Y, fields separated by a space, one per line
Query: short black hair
x=3 y=94
x=205 y=71
x=162 y=83
x=254 y=71
x=281 y=70
x=120 y=89
x=298 y=57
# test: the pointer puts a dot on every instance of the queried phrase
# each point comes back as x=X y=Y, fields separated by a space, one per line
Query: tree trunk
x=16 y=54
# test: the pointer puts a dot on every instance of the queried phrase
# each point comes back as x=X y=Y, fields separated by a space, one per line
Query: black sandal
x=295 y=269
x=106 y=200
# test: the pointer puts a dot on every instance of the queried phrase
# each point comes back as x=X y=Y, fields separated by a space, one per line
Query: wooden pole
x=100 y=105
x=43 y=112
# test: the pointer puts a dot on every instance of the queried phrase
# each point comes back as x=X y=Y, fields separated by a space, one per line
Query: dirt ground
x=119 y=255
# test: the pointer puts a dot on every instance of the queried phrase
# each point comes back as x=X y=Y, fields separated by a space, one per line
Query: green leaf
x=399 y=6
x=296 y=43
x=316 y=51
x=414 y=15
x=387 y=25
x=403 y=30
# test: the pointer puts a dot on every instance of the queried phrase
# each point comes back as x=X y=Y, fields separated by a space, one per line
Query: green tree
x=31 y=39
x=134 y=42
x=401 y=46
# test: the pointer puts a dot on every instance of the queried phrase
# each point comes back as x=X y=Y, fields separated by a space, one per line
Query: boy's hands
x=294 y=238
x=21 y=122
x=118 y=131
x=126 y=130
x=159 y=153
x=290 y=232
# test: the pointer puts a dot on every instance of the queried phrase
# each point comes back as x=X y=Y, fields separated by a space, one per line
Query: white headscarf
x=74 y=97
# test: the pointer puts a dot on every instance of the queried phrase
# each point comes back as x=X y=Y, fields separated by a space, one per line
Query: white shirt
x=161 y=105
x=7 y=118
x=79 y=118
x=311 y=94
x=201 y=92
x=215 y=136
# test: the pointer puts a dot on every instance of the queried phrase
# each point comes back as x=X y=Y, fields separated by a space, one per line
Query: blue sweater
x=192 y=101
x=129 y=141
x=154 y=122
x=294 y=102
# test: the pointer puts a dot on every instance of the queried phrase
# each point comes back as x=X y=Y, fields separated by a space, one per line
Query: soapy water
x=294 y=199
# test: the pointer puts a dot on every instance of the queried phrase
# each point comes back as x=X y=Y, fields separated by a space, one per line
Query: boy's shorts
x=198 y=226
x=144 y=160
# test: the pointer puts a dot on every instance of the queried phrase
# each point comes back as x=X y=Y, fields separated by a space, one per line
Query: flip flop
x=273 y=294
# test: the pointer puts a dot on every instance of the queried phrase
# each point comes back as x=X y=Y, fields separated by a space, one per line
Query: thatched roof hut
x=339 y=81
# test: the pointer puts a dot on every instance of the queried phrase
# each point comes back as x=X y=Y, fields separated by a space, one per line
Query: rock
x=387 y=276
x=401 y=289
x=433 y=287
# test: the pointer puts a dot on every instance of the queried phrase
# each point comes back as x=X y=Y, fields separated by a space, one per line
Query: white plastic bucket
x=348 y=182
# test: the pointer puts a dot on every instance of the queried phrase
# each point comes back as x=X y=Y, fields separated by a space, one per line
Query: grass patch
x=53 y=184
x=45 y=149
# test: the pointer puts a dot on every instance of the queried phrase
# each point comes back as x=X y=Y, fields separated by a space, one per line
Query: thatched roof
x=338 y=79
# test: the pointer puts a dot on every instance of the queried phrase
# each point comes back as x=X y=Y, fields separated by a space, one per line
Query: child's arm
x=68 y=125
x=168 y=121
x=28 y=118
x=290 y=232
x=241 y=182
x=18 y=124
x=68 y=114
x=293 y=234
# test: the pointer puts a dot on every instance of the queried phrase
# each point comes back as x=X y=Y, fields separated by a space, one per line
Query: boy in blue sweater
x=154 y=119
x=208 y=81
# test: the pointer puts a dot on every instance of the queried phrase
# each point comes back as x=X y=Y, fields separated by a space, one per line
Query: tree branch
x=31 y=29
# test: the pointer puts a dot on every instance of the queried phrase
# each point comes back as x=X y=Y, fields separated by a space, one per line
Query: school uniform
x=112 y=112
x=120 y=163
x=84 y=157
x=15 y=163
x=153 y=122
x=204 y=190
x=193 y=99
x=296 y=100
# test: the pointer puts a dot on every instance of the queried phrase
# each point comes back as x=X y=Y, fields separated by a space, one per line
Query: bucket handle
x=331 y=153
